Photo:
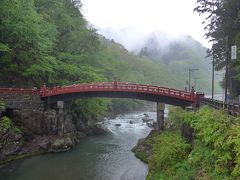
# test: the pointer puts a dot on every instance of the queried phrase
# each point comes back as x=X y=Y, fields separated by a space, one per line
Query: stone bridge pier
x=160 y=116
x=62 y=110
x=60 y=118
x=65 y=124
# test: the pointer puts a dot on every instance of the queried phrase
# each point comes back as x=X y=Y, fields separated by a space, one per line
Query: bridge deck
x=106 y=87
x=117 y=86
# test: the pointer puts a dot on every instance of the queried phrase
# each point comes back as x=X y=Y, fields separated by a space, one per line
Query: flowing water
x=106 y=157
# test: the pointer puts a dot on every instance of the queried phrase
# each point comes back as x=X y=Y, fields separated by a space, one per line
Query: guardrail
x=231 y=108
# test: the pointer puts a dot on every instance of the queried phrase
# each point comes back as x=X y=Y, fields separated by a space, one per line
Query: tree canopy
x=222 y=26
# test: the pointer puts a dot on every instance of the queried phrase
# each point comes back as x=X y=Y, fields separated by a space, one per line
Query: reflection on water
x=107 y=157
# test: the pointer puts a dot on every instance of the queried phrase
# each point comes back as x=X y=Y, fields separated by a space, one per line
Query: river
x=106 y=157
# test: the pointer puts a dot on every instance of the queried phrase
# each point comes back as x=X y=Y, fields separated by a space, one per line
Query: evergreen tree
x=223 y=29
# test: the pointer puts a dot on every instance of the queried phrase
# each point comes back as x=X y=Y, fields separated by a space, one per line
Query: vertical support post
x=61 y=118
x=213 y=61
x=213 y=66
x=160 y=116
x=189 y=80
x=227 y=71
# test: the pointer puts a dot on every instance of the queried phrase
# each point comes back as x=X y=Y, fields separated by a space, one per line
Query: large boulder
x=96 y=129
x=68 y=142
x=58 y=144
x=99 y=130
x=62 y=144
x=146 y=118
x=44 y=144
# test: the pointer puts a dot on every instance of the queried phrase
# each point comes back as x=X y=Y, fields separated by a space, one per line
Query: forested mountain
x=178 y=55
x=175 y=54
x=49 y=42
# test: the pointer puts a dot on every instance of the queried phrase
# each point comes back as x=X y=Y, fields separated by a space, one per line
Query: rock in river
x=62 y=144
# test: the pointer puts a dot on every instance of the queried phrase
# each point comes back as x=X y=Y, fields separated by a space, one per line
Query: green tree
x=223 y=22
x=26 y=39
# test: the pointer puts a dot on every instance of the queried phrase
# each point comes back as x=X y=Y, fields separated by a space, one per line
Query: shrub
x=169 y=150
x=5 y=123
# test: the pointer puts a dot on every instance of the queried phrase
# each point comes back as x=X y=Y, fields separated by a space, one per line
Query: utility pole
x=213 y=64
x=189 y=79
x=227 y=69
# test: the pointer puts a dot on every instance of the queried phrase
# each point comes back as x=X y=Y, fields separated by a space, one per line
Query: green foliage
x=2 y=105
x=4 y=48
x=141 y=154
x=17 y=130
x=89 y=110
x=5 y=124
x=143 y=150
x=201 y=161
x=175 y=115
x=118 y=64
x=215 y=153
x=216 y=149
x=26 y=33
x=223 y=22
x=169 y=151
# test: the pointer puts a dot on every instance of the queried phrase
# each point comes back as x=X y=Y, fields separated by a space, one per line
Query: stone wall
x=16 y=101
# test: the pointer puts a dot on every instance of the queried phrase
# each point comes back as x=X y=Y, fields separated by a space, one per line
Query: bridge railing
x=230 y=108
x=156 y=90
x=105 y=86
x=117 y=86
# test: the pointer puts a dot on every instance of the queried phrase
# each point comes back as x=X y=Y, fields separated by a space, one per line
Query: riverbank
x=106 y=157
x=25 y=133
x=31 y=132
x=213 y=154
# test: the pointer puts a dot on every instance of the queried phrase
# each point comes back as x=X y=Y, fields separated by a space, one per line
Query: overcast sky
x=172 y=16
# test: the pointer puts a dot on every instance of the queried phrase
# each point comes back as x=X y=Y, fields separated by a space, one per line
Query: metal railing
x=231 y=108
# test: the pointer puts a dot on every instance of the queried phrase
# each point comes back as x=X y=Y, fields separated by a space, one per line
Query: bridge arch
x=51 y=96
x=118 y=90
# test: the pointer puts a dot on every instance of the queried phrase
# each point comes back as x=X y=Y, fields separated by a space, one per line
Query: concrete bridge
x=19 y=98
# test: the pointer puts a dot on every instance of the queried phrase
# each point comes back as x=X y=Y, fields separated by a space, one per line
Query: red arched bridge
x=112 y=90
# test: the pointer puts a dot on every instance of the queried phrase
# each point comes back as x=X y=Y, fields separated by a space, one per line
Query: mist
x=129 y=37
x=134 y=40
